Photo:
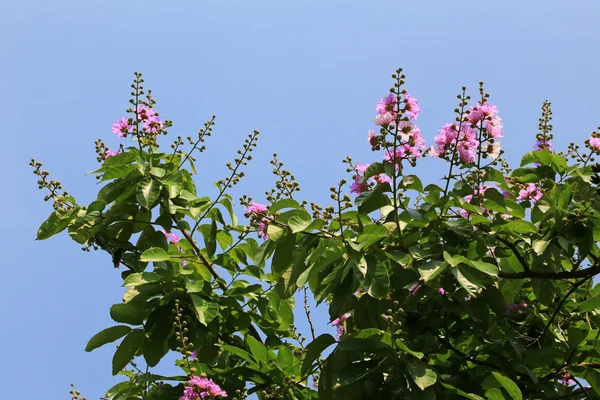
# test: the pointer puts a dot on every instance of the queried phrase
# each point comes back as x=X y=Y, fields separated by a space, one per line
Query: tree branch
x=582 y=273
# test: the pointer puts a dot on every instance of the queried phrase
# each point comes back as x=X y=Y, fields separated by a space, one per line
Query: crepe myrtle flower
x=567 y=379
x=530 y=192
x=121 y=128
x=412 y=106
x=150 y=119
x=416 y=286
x=110 y=153
x=339 y=323
x=256 y=212
x=201 y=387
x=172 y=237
x=594 y=143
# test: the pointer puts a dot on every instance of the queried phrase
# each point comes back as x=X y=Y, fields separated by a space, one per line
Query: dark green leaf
x=108 y=335
x=126 y=350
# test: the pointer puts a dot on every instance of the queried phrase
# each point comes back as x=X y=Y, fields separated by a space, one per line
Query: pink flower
x=110 y=153
x=372 y=138
x=480 y=111
x=542 y=144
x=255 y=207
x=358 y=292
x=200 y=387
x=121 y=128
x=412 y=106
x=415 y=287
x=595 y=143
x=465 y=141
x=184 y=263
x=382 y=178
x=384 y=119
x=341 y=319
x=396 y=158
x=150 y=120
x=531 y=192
x=441 y=291
x=492 y=149
x=386 y=104
x=359 y=186
x=362 y=168
x=173 y=237
x=567 y=379
x=385 y=316
x=494 y=127
x=339 y=323
x=262 y=229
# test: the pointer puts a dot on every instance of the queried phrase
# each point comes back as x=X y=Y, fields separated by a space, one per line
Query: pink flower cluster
x=567 y=379
x=257 y=212
x=339 y=323
x=172 y=237
x=200 y=387
x=360 y=185
x=416 y=286
x=411 y=144
x=110 y=153
x=465 y=138
x=531 y=192
x=543 y=144
x=387 y=111
x=514 y=308
x=595 y=143
x=454 y=137
x=150 y=120
x=121 y=128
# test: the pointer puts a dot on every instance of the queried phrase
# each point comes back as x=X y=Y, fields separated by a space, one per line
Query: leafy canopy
x=480 y=287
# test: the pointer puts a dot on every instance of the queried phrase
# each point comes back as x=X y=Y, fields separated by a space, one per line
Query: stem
x=307 y=311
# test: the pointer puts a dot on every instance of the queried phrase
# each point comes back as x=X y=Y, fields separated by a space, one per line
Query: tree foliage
x=479 y=287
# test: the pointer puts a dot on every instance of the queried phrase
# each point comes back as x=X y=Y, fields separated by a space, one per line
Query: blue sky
x=306 y=74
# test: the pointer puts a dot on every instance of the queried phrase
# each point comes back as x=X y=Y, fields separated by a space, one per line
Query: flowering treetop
x=479 y=287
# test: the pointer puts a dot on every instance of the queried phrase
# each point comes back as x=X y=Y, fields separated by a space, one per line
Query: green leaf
x=108 y=335
x=421 y=374
x=470 y=396
x=56 y=223
x=275 y=232
x=257 y=349
x=589 y=305
x=286 y=360
x=284 y=255
x=486 y=268
x=402 y=346
x=375 y=280
x=298 y=224
x=314 y=350
x=518 y=227
x=127 y=313
x=243 y=354
x=126 y=350
x=142 y=278
x=147 y=192
x=205 y=311
x=539 y=246
x=281 y=204
x=155 y=254
x=369 y=202
x=468 y=279
x=508 y=385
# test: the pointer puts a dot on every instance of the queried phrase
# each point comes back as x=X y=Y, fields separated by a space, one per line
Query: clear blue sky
x=306 y=74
